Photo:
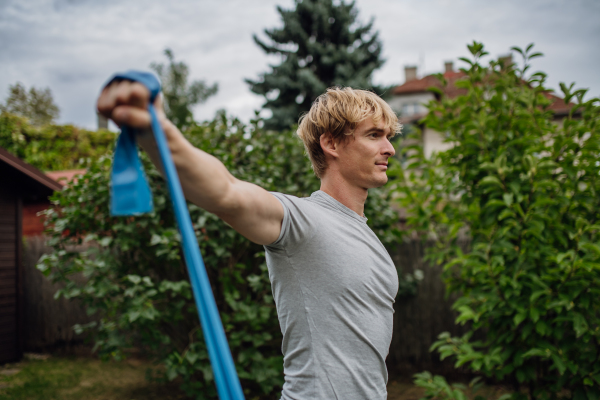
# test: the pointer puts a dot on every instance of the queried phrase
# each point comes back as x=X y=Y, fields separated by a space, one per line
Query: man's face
x=364 y=158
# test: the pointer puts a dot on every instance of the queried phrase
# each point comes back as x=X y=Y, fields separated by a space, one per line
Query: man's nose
x=388 y=148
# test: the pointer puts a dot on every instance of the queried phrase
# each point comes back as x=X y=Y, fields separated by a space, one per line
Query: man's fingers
x=134 y=117
x=122 y=93
x=106 y=101
x=132 y=94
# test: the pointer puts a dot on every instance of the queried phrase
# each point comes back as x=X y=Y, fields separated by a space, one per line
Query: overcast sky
x=73 y=46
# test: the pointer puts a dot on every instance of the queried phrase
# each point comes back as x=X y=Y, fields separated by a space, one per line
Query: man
x=333 y=282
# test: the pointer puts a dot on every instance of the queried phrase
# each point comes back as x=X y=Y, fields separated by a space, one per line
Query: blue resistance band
x=131 y=195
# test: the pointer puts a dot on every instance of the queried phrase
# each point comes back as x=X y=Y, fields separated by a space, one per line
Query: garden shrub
x=524 y=187
x=136 y=279
x=52 y=147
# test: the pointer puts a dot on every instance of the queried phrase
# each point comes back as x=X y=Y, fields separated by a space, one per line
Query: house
x=20 y=185
x=410 y=98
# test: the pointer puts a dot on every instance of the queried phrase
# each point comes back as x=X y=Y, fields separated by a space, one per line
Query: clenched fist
x=126 y=103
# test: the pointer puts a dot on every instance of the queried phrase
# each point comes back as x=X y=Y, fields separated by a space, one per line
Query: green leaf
x=105 y=241
x=593 y=247
x=155 y=239
x=536 y=353
x=558 y=363
x=191 y=357
x=520 y=317
x=490 y=180
x=534 y=313
x=171 y=374
x=147 y=281
x=495 y=203
x=506 y=214
x=465 y=60
x=133 y=316
x=435 y=90
x=536 y=295
x=580 y=325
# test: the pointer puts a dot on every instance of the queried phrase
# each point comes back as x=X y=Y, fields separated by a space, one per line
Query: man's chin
x=378 y=182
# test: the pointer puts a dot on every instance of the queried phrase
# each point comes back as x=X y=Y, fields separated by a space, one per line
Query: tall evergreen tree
x=321 y=45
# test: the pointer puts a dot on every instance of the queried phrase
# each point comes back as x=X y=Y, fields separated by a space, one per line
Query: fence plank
x=420 y=319
x=49 y=322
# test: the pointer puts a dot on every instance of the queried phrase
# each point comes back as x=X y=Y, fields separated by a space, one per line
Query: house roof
x=26 y=176
x=422 y=85
x=65 y=176
x=558 y=106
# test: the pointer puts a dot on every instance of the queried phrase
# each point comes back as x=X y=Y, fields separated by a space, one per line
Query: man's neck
x=352 y=197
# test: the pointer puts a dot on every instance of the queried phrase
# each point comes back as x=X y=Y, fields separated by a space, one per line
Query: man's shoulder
x=299 y=220
x=286 y=199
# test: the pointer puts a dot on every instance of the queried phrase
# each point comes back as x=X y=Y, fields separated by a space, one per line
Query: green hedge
x=52 y=147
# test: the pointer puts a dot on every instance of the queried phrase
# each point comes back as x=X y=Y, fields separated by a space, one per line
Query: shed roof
x=30 y=180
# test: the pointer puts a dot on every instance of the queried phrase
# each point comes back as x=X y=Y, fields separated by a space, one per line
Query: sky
x=74 y=46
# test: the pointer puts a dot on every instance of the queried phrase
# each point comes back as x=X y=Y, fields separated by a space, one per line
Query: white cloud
x=73 y=46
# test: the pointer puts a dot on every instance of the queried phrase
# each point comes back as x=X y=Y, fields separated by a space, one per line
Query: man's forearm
x=204 y=179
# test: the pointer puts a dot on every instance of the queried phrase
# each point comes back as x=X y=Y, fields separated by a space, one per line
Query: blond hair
x=338 y=111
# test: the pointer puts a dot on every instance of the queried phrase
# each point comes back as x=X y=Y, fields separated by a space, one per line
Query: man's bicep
x=255 y=213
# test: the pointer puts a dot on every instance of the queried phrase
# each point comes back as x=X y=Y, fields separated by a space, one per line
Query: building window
x=411 y=109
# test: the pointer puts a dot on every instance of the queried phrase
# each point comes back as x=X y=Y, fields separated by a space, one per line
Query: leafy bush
x=52 y=147
x=524 y=187
x=437 y=388
x=136 y=279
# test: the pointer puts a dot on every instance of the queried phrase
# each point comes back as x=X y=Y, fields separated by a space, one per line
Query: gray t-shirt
x=334 y=285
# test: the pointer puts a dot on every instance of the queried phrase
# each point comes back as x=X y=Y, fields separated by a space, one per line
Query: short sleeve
x=296 y=226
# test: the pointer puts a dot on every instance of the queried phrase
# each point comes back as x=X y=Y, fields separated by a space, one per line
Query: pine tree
x=321 y=44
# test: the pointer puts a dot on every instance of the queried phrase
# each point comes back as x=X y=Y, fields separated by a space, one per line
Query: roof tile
x=421 y=85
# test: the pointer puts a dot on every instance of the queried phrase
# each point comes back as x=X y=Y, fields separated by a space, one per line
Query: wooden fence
x=48 y=321
x=418 y=320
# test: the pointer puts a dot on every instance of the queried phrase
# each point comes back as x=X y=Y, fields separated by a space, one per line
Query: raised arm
x=248 y=208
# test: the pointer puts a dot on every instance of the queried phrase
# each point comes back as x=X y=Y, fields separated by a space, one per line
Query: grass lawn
x=398 y=390
x=70 y=378
x=86 y=378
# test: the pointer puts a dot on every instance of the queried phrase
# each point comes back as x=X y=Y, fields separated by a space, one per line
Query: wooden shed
x=20 y=184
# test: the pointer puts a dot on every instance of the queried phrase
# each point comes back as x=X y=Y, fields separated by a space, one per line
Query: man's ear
x=329 y=145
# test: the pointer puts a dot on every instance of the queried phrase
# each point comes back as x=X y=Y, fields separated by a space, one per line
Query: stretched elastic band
x=131 y=195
